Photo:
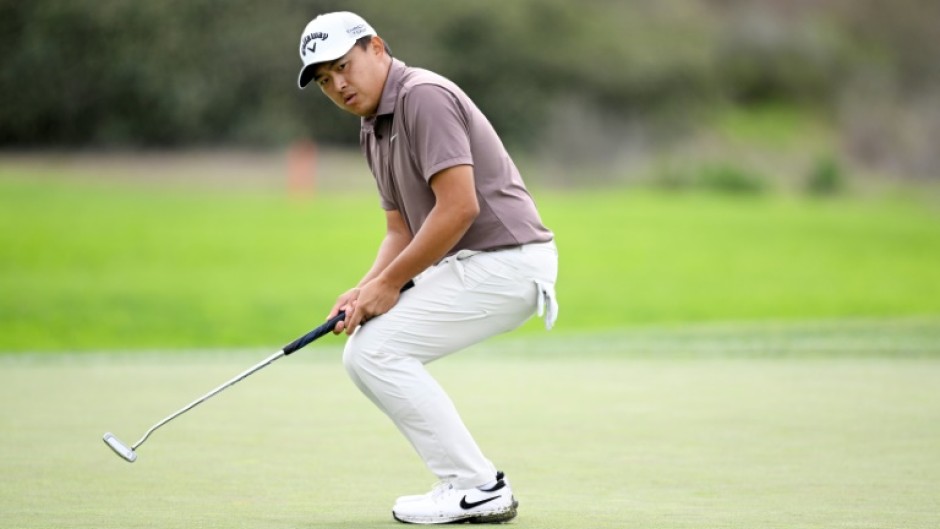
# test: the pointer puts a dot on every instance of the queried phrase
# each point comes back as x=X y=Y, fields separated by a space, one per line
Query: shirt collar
x=393 y=83
x=392 y=87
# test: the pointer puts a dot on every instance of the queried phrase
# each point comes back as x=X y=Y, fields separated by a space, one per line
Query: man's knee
x=361 y=356
x=353 y=358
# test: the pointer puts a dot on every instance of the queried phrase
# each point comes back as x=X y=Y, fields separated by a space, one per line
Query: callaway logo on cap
x=327 y=38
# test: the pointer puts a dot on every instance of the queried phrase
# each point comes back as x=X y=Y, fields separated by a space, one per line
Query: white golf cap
x=327 y=38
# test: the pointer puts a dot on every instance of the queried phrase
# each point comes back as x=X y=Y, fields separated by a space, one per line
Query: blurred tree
x=554 y=75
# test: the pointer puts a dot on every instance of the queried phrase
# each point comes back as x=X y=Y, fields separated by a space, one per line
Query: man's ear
x=377 y=45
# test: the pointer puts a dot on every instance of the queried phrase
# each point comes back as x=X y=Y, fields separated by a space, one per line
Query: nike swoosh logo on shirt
x=465 y=505
x=390 y=140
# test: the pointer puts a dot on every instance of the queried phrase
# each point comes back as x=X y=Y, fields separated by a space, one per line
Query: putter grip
x=326 y=328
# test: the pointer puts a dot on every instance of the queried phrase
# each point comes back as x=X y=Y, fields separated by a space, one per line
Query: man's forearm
x=440 y=232
x=454 y=211
x=391 y=246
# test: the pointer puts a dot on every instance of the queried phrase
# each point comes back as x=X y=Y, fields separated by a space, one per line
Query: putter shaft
x=267 y=361
x=325 y=328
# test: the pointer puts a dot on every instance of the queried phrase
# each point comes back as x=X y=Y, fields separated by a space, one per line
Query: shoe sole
x=477 y=518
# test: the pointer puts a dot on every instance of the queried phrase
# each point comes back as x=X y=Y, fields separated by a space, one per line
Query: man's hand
x=402 y=257
x=374 y=298
x=344 y=302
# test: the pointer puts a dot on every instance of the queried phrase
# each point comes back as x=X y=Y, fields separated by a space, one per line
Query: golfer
x=460 y=221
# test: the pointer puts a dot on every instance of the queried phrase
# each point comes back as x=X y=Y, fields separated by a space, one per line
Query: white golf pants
x=460 y=301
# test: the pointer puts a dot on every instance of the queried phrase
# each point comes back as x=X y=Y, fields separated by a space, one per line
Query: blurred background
x=618 y=85
x=638 y=107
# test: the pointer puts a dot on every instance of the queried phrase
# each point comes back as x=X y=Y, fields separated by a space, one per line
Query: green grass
x=88 y=265
x=633 y=429
x=655 y=258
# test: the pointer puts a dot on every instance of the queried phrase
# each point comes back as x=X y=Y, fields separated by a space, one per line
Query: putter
x=129 y=454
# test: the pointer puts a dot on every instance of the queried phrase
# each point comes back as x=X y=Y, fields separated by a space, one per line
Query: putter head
x=120 y=448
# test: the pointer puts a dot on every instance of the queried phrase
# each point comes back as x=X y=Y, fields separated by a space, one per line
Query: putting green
x=591 y=438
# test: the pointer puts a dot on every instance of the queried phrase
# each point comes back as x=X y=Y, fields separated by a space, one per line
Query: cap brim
x=308 y=72
x=306 y=75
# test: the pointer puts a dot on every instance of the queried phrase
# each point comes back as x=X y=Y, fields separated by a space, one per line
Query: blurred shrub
x=727 y=178
x=724 y=178
x=825 y=178
x=183 y=72
x=174 y=72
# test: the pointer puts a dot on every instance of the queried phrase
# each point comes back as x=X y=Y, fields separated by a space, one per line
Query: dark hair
x=364 y=44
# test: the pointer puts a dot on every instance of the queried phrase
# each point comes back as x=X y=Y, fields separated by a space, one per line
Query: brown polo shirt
x=425 y=124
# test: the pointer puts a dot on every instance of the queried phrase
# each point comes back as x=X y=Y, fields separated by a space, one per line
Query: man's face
x=355 y=81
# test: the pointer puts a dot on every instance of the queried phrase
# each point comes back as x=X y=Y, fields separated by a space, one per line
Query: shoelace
x=441 y=488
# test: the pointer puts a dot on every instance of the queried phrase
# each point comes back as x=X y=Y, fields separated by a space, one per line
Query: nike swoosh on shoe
x=465 y=505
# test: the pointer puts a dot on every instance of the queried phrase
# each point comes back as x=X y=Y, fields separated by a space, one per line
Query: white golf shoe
x=448 y=504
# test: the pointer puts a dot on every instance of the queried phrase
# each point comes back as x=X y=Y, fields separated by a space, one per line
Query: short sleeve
x=438 y=129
